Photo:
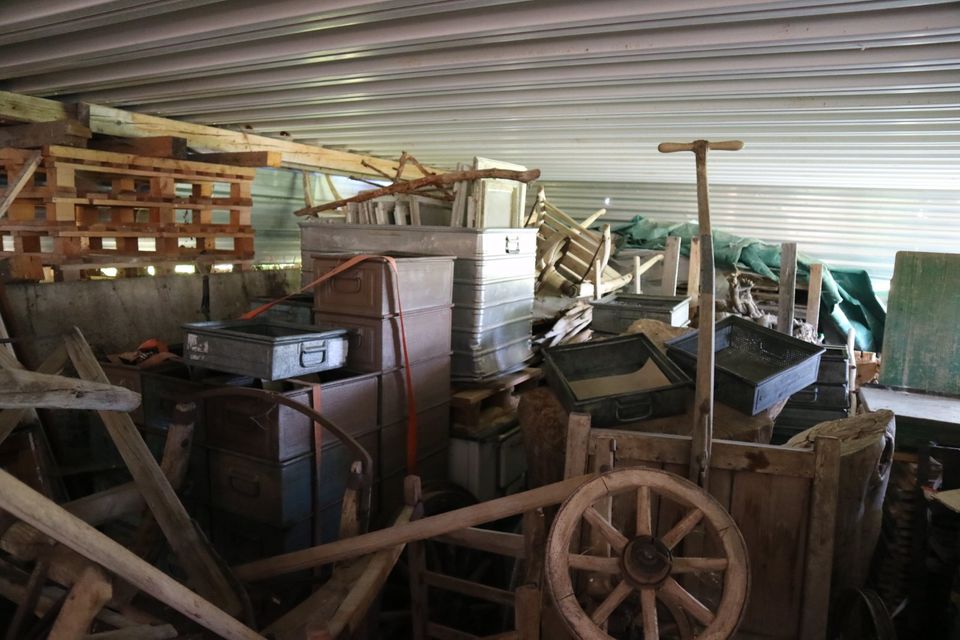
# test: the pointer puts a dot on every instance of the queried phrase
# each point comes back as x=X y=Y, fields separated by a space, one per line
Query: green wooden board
x=921 y=344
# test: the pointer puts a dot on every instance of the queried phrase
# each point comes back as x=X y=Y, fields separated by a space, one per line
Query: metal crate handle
x=633 y=411
x=348 y=284
x=249 y=487
x=513 y=244
x=313 y=353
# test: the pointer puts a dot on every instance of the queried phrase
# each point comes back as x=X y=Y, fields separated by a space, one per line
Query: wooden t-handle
x=725 y=145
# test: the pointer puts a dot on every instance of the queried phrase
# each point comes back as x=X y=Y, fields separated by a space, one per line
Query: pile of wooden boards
x=572 y=260
x=79 y=210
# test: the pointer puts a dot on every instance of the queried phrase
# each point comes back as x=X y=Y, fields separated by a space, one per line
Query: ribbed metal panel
x=842 y=227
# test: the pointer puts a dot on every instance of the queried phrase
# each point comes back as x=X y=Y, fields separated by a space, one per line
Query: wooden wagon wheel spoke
x=644 y=562
x=682 y=528
x=616 y=597
x=616 y=539
x=599 y=564
x=648 y=606
x=688 y=602
x=698 y=565
x=644 y=512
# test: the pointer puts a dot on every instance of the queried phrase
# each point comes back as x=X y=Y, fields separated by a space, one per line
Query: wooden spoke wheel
x=645 y=567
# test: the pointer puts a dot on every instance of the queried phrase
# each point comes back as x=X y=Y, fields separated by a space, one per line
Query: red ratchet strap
x=411 y=401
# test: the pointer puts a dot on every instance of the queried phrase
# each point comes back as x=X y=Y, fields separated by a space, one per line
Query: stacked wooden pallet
x=81 y=210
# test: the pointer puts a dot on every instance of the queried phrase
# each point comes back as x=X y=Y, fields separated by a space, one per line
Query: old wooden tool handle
x=725 y=145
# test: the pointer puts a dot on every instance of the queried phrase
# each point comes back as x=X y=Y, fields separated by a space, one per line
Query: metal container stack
x=493 y=284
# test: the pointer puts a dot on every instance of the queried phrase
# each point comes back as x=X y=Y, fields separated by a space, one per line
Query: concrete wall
x=117 y=315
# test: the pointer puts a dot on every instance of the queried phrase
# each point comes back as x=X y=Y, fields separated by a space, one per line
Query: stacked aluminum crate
x=494 y=277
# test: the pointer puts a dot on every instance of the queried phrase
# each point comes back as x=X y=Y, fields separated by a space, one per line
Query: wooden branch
x=427 y=181
x=418 y=530
x=19 y=181
x=26 y=389
x=48 y=517
x=194 y=553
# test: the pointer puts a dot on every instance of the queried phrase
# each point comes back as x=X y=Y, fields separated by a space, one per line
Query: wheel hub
x=646 y=561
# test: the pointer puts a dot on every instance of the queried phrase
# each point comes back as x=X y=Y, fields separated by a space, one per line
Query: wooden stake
x=702 y=434
x=671 y=266
x=788 y=287
x=814 y=288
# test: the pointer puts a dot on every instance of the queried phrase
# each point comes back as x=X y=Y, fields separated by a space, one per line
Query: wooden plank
x=151 y=146
x=54 y=363
x=14 y=106
x=671 y=266
x=578 y=445
x=693 y=275
x=820 y=539
x=138 y=632
x=468 y=588
x=37 y=134
x=419 y=530
x=788 y=287
x=19 y=181
x=46 y=516
x=489 y=540
x=814 y=288
x=21 y=389
x=242 y=158
x=443 y=632
x=161 y=166
x=527 y=610
x=921 y=344
x=194 y=553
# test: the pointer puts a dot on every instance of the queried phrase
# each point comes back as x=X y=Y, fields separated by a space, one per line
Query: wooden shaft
x=410 y=532
x=43 y=514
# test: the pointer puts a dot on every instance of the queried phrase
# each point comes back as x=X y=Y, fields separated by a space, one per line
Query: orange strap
x=411 y=400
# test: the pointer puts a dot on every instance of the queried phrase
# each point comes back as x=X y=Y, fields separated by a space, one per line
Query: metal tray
x=489 y=337
x=756 y=367
x=568 y=366
x=616 y=312
x=479 y=366
x=368 y=289
x=264 y=348
x=491 y=293
x=375 y=343
x=459 y=242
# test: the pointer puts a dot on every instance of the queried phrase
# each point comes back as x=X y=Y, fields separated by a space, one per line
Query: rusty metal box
x=374 y=344
x=277 y=494
x=433 y=433
x=431 y=387
x=277 y=433
x=369 y=289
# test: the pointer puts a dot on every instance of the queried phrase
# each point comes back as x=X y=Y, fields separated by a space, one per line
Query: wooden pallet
x=467 y=403
x=84 y=206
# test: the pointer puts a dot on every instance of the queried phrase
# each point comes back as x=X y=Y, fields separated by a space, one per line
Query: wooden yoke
x=703 y=408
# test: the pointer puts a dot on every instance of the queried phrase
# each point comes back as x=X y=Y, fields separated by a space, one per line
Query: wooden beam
x=19 y=181
x=10 y=418
x=14 y=106
x=788 y=287
x=242 y=158
x=45 y=515
x=150 y=146
x=20 y=389
x=489 y=540
x=418 y=530
x=37 y=134
x=814 y=288
x=86 y=598
x=193 y=551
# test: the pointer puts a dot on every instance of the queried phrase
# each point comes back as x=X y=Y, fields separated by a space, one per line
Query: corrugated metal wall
x=843 y=227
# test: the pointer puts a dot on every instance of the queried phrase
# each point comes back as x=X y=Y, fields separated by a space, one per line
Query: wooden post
x=693 y=276
x=43 y=514
x=636 y=275
x=788 y=287
x=671 y=266
x=814 y=287
x=702 y=434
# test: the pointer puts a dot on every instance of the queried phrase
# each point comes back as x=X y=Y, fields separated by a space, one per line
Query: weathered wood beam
x=24 y=389
x=45 y=515
x=242 y=158
x=37 y=134
x=118 y=122
x=150 y=146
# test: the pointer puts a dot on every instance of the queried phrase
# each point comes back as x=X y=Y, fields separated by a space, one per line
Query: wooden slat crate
x=85 y=207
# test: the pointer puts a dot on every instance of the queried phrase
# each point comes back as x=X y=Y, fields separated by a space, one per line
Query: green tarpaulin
x=848 y=298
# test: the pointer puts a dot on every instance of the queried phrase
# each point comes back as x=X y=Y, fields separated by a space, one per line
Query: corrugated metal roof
x=839 y=93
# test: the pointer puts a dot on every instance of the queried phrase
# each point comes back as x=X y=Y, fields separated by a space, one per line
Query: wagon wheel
x=643 y=567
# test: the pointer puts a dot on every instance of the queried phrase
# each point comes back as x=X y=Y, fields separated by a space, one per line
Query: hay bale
x=543 y=423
